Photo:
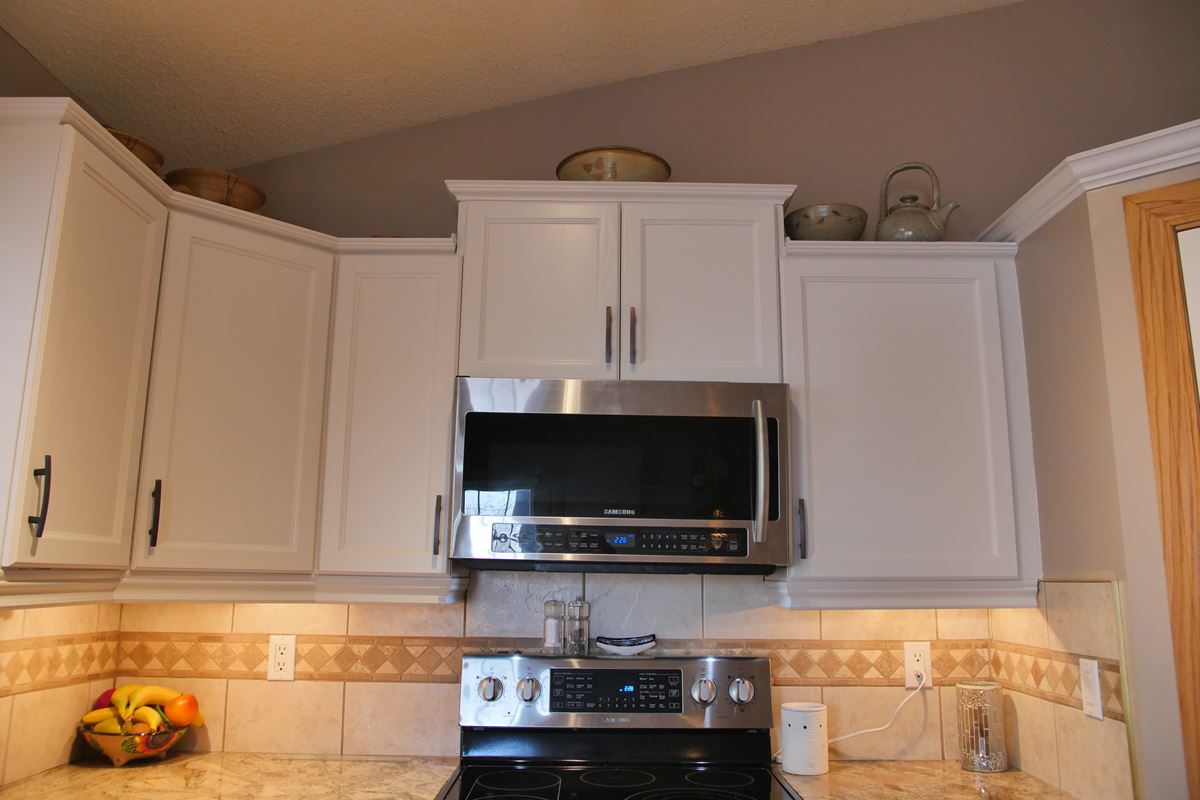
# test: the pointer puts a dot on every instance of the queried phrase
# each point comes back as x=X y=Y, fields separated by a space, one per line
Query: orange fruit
x=182 y=710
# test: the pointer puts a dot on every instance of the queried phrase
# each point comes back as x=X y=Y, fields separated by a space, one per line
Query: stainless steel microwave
x=620 y=476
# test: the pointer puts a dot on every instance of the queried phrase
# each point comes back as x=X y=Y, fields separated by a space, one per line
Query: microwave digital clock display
x=621 y=539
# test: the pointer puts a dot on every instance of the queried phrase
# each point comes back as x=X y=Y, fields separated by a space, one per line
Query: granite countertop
x=237 y=776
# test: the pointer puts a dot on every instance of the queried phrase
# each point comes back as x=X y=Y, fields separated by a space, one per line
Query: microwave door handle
x=762 y=471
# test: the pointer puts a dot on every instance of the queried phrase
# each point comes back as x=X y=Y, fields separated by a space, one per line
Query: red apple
x=104 y=700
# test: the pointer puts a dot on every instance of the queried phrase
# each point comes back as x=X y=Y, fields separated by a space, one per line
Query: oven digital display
x=626 y=690
x=621 y=540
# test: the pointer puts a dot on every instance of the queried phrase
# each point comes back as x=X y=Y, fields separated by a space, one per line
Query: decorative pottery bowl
x=220 y=187
x=147 y=153
x=829 y=222
x=613 y=164
x=123 y=747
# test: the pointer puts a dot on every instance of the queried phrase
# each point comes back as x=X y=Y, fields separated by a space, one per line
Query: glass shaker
x=552 y=628
x=578 y=632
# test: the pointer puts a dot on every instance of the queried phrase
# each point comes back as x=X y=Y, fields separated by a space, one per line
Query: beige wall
x=992 y=99
x=21 y=75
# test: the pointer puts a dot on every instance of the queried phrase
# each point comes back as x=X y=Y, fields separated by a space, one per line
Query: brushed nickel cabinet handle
x=632 y=334
x=608 y=334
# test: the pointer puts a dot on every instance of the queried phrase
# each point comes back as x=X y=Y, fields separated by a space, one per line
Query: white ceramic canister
x=804 y=735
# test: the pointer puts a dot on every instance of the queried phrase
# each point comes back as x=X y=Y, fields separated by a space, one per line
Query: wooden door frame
x=1153 y=220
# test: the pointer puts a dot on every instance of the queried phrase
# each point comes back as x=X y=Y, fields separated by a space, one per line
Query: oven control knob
x=490 y=689
x=741 y=691
x=528 y=689
x=704 y=691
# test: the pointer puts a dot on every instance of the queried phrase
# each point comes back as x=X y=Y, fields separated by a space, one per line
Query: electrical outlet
x=916 y=663
x=1089 y=687
x=281 y=657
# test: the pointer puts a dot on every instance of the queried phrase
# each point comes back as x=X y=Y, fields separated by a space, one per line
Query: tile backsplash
x=364 y=673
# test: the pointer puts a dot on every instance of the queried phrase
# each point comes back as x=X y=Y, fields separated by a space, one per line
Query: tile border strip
x=51 y=662
x=1053 y=675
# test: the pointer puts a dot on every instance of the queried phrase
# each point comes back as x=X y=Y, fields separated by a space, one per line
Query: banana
x=110 y=725
x=99 y=715
x=151 y=696
x=148 y=715
x=120 y=699
x=198 y=720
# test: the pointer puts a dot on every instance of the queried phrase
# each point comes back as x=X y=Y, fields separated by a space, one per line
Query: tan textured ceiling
x=230 y=82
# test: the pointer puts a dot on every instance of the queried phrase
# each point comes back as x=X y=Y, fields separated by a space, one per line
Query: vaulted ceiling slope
x=229 y=82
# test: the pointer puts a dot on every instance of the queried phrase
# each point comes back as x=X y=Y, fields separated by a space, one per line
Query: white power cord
x=885 y=726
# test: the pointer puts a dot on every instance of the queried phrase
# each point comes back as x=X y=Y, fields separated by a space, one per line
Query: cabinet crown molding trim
x=857 y=250
x=621 y=191
x=1151 y=153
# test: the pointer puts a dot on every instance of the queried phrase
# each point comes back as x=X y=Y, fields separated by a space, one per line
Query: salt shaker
x=552 y=628
x=578 y=631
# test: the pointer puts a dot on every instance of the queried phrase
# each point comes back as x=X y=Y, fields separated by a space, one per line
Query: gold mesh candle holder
x=981 y=727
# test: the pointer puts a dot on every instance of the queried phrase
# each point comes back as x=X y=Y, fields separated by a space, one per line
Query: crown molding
x=893 y=249
x=621 y=191
x=384 y=246
x=1151 y=153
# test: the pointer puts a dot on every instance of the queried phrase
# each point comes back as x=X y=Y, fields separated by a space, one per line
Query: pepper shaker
x=578 y=629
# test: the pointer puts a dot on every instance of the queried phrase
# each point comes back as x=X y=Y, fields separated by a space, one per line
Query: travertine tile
x=178 y=617
x=94 y=690
x=739 y=607
x=1094 y=759
x=380 y=719
x=890 y=624
x=12 y=623
x=789 y=694
x=631 y=605
x=408 y=619
x=962 y=623
x=109 y=617
x=1030 y=736
x=60 y=620
x=43 y=732
x=949 y=702
x=304 y=717
x=510 y=603
x=916 y=734
x=210 y=694
x=6 y=706
x=314 y=618
x=1082 y=618
x=1021 y=625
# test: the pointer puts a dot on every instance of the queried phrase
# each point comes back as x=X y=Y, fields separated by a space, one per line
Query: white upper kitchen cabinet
x=905 y=446
x=233 y=429
x=82 y=251
x=385 y=493
x=594 y=280
x=700 y=292
x=541 y=290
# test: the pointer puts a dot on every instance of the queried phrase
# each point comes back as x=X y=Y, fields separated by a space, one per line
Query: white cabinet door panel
x=540 y=282
x=700 y=292
x=900 y=433
x=391 y=401
x=90 y=367
x=234 y=419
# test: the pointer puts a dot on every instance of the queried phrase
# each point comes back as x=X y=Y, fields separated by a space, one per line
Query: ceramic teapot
x=910 y=220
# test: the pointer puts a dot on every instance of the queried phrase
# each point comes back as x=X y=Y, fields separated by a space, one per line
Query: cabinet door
x=391 y=400
x=89 y=368
x=233 y=428
x=540 y=290
x=700 y=290
x=900 y=434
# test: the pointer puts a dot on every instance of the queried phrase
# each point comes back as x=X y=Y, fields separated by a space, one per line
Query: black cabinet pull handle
x=156 y=498
x=803 y=530
x=632 y=334
x=608 y=334
x=437 y=524
x=39 y=522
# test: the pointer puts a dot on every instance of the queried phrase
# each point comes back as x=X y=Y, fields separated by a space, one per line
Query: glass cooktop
x=616 y=782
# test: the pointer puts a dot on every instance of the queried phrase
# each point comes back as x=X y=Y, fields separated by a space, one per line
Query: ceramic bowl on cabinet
x=829 y=222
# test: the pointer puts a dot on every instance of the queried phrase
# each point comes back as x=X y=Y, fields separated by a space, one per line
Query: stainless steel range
x=543 y=728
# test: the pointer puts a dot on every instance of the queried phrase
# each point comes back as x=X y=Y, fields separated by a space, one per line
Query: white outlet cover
x=1089 y=687
x=281 y=657
x=917 y=657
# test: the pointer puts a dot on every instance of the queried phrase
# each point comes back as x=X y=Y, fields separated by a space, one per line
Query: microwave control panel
x=615 y=540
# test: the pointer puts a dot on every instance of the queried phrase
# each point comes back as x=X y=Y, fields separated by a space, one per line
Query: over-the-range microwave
x=620 y=476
